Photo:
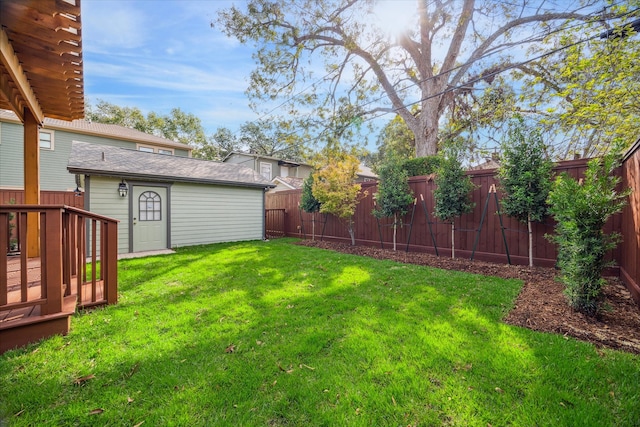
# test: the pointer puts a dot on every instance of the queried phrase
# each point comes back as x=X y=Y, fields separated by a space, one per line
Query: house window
x=265 y=170
x=284 y=171
x=149 y=208
x=145 y=149
x=165 y=151
x=46 y=139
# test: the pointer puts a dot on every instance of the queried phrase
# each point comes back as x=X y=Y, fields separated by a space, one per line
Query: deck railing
x=78 y=257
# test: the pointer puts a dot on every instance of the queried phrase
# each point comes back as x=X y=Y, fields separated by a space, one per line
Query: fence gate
x=274 y=223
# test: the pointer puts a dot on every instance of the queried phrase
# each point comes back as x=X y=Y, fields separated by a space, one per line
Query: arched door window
x=149 y=206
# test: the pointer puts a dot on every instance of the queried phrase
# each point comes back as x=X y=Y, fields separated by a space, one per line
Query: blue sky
x=162 y=54
x=159 y=55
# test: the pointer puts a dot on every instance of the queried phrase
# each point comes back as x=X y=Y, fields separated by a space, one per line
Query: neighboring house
x=270 y=167
x=190 y=201
x=492 y=162
x=56 y=137
x=285 y=174
x=365 y=174
x=286 y=183
x=168 y=201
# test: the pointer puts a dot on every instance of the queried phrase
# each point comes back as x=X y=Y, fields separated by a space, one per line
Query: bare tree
x=447 y=47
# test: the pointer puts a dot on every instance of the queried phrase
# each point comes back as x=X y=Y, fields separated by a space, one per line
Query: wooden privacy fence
x=498 y=236
x=629 y=259
x=499 y=239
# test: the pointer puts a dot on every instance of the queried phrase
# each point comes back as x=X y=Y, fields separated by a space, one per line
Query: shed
x=167 y=201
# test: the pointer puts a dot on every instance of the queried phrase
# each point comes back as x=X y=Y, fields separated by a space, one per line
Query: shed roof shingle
x=93 y=159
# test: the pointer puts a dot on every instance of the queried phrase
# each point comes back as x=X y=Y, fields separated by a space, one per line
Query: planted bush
x=581 y=210
x=394 y=194
x=421 y=165
x=525 y=176
x=309 y=203
x=452 y=194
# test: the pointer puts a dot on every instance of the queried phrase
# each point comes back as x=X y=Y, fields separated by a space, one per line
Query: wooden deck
x=38 y=295
x=35 y=291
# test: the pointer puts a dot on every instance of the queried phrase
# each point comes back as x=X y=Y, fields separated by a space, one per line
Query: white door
x=149 y=218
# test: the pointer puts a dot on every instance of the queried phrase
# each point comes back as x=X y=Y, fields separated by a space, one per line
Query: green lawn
x=274 y=334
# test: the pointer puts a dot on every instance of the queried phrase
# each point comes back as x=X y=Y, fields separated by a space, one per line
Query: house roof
x=366 y=172
x=41 y=58
x=487 y=164
x=94 y=159
x=291 y=182
x=363 y=171
x=85 y=127
x=281 y=161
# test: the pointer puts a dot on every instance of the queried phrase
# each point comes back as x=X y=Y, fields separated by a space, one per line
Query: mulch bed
x=541 y=305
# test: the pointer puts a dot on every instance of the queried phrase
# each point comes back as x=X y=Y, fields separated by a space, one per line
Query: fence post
x=51 y=259
x=109 y=263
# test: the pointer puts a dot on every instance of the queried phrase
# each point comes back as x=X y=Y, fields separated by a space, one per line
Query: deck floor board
x=35 y=291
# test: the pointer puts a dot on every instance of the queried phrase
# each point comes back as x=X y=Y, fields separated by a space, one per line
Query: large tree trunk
x=425 y=128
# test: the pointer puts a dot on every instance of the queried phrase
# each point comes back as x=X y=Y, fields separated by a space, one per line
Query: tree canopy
x=335 y=186
x=426 y=73
x=588 y=94
x=266 y=138
x=524 y=173
x=177 y=126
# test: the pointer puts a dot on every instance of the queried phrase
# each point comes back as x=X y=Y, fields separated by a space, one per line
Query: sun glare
x=395 y=16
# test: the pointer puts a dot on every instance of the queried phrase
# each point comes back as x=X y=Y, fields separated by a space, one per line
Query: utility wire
x=476 y=79
x=453 y=88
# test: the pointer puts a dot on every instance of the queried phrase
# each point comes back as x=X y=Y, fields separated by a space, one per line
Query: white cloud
x=163 y=74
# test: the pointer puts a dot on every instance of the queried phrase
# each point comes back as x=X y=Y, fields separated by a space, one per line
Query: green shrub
x=308 y=202
x=581 y=210
x=421 y=165
x=452 y=194
x=394 y=194
x=525 y=176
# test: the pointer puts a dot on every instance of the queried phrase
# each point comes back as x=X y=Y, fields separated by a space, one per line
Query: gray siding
x=11 y=158
x=302 y=171
x=53 y=163
x=248 y=160
x=238 y=159
x=202 y=214
x=104 y=200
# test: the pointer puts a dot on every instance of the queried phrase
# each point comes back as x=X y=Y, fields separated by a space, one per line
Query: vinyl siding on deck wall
x=53 y=163
x=202 y=214
x=104 y=200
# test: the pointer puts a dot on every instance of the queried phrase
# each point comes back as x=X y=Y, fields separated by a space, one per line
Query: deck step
x=25 y=330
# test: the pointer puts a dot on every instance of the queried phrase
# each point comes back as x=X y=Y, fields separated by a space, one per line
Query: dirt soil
x=541 y=305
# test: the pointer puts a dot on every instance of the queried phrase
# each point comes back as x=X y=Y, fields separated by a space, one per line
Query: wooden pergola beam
x=20 y=94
